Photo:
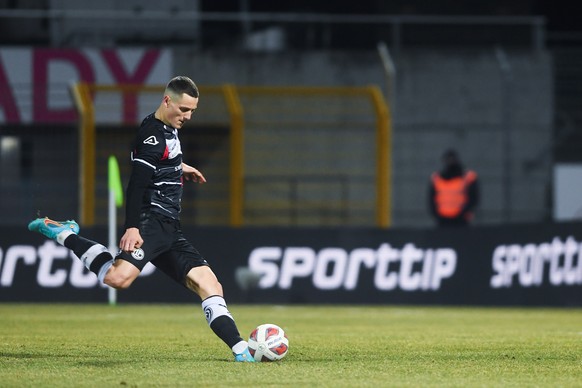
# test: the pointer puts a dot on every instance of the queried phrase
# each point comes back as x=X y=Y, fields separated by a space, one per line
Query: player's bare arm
x=192 y=174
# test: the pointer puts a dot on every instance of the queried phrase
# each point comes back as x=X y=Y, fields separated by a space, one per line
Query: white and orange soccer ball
x=268 y=342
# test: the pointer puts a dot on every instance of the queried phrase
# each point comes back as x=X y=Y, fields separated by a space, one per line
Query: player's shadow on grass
x=22 y=355
x=100 y=363
x=28 y=355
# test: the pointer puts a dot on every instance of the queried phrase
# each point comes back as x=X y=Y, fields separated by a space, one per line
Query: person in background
x=453 y=192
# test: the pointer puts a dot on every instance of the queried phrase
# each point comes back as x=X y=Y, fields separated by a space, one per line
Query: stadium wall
x=519 y=265
x=494 y=105
x=498 y=114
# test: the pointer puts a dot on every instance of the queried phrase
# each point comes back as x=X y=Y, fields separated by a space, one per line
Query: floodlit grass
x=330 y=346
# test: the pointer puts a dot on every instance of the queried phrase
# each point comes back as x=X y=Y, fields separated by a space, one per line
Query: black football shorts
x=165 y=247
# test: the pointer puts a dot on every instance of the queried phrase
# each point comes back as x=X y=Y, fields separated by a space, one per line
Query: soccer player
x=152 y=226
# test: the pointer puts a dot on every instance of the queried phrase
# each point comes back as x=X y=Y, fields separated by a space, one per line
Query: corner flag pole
x=115 y=201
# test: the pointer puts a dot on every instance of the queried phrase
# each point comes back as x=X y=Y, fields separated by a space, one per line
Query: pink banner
x=35 y=82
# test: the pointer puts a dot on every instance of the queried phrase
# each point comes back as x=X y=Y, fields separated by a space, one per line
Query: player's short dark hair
x=182 y=84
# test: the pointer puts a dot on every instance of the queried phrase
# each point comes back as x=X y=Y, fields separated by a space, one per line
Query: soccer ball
x=268 y=342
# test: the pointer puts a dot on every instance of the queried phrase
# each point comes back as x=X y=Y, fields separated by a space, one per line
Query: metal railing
x=293 y=203
x=247 y=21
x=375 y=124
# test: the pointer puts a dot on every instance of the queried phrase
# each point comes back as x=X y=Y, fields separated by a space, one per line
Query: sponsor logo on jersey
x=151 y=140
x=174 y=148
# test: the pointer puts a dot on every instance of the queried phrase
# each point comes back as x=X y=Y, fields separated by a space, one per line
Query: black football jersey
x=157 y=147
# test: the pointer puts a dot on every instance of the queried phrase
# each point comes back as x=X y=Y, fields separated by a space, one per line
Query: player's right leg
x=94 y=256
x=203 y=281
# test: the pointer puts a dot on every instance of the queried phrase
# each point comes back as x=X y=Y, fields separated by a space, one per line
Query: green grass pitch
x=66 y=345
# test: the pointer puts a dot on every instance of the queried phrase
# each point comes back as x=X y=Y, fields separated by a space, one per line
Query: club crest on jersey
x=151 y=140
x=138 y=254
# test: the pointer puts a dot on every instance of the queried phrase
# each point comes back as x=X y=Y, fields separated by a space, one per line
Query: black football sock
x=93 y=255
x=221 y=321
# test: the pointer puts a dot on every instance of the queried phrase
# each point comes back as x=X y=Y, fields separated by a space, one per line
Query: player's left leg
x=94 y=256
x=203 y=281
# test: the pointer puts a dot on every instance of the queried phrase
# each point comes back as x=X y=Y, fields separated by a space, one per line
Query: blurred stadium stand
x=500 y=67
x=66 y=23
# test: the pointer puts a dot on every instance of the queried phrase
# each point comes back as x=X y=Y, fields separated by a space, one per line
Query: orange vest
x=451 y=194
